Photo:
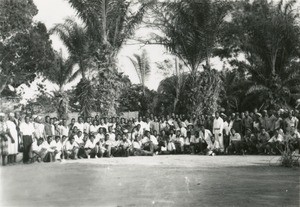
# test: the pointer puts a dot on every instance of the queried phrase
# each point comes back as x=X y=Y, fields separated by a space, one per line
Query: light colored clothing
x=235 y=137
x=90 y=144
x=94 y=129
x=12 y=147
x=206 y=136
x=153 y=140
x=218 y=132
x=64 y=130
x=183 y=132
x=80 y=126
x=70 y=146
x=27 y=129
x=39 y=130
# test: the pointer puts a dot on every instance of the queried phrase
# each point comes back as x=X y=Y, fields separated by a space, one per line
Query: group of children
x=52 y=139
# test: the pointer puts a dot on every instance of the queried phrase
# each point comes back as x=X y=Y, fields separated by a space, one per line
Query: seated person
x=147 y=143
x=250 y=142
x=235 y=142
x=57 y=144
x=262 y=141
x=39 y=151
x=137 y=148
x=179 y=142
x=195 y=142
x=71 y=149
x=123 y=147
x=171 y=142
x=277 y=142
x=186 y=141
x=50 y=146
x=91 y=147
x=108 y=144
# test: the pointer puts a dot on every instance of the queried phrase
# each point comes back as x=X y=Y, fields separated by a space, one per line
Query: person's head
x=64 y=137
x=92 y=138
x=49 y=139
x=124 y=136
x=72 y=139
x=155 y=133
x=11 y=116
x=178 y=132
x=163 y=132
x=263 y=130
x=51 y=120
x=202 y=128
x=73 y=121
x=95 y=122
x=47 y=119
x=80 y=120
x=246 y=113
x=105 y=120
x=88 y=119
x=40 y=141
x=290 y=114
x=217 y=115
x=147 y=133
x=106 y=137
x=79 y=133
x=17 y=115
x=57 y=138
x=110 y=129
x=27 y=119
x=64 y=122
x=171 y=132
x=75 y=129
x=113 y=120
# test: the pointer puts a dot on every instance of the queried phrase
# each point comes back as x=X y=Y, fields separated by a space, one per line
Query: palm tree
x=109 y=23
x=269 y=36
x=142 y=67
x=77 y=42
x=190 y=28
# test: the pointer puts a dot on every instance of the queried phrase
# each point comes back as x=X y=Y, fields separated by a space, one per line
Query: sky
x=52 y=12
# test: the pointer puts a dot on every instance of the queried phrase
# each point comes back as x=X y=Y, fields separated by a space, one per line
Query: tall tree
x=77 y=42
x=142 y=67
x=268 y=35
x=25 y=47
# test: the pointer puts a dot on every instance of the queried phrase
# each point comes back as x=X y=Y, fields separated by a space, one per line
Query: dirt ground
x=178 y=180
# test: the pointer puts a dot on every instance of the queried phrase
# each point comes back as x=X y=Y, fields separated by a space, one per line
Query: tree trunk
x=104 y=34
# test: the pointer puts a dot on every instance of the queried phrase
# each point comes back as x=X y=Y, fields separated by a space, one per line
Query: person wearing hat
x=27 y=134
x=13 y=141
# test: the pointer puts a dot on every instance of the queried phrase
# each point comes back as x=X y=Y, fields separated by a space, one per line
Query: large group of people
x=49 y=139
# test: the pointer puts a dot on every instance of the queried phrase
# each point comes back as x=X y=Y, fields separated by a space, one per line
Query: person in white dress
x=12 y=146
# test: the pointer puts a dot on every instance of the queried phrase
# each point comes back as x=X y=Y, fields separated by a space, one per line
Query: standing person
x=13 y=141
x=3 y=139
x=64 y=128
x=71 y=125
x=47 y=127
x=27 y=134
x=218 y=132
x=39 y=128
x=247 y=122
x=80 y=124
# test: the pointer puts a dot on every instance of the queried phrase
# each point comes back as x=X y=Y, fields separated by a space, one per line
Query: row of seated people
x=102 y=144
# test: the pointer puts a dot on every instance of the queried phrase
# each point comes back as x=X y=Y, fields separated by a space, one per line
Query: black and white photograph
x=133 y=103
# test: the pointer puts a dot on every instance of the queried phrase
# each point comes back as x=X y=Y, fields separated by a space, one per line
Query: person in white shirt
x=206 y=140
x=91 y=147
x=235 y=145
x=71 y=149
x=27 y=134
x=80 y=124
x=64 y=128
x=49 y=145
x=57 y=145
x=179 y=142
x=218 y=132
x=94 y=128
x=39 y=128
x=86 y=126
x=39 y=150
x=137 y=148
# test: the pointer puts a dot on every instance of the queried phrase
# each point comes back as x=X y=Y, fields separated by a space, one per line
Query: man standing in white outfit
x=218 y=132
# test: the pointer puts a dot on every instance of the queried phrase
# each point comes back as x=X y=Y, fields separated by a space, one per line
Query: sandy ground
x=178 y=180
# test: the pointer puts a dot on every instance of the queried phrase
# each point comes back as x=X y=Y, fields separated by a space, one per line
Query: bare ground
x=179 y=180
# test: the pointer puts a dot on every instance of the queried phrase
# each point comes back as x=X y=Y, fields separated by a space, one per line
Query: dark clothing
x=27 y=141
